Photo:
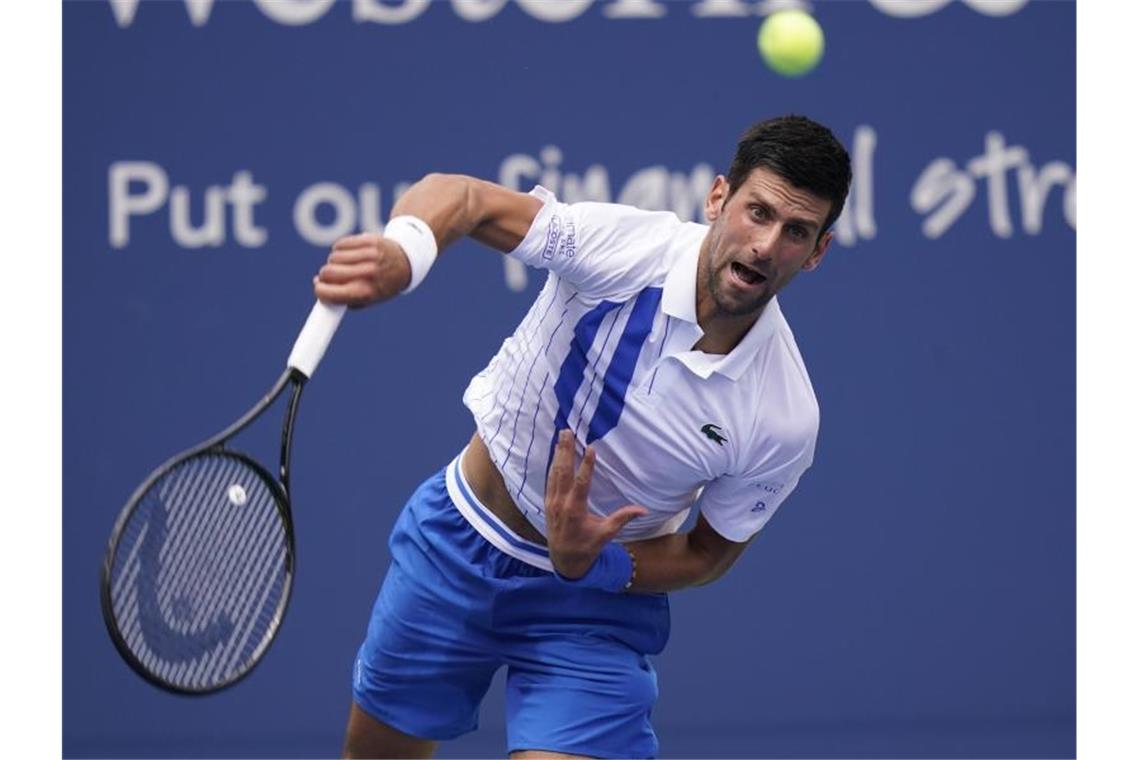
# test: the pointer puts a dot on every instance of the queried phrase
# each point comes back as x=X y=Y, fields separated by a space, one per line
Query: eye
x=797 y=232
x=759 y=213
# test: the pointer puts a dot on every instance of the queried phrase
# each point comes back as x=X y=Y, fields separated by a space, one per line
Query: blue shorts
x=455 y=607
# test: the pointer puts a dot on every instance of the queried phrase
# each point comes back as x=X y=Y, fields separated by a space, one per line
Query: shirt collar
x=733 y=364
x=679 y=300
x=679 y=294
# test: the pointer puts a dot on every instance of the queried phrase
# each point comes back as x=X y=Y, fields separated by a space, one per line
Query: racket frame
x=279 y=486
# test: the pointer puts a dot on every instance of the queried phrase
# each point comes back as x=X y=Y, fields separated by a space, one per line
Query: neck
x=722 y=332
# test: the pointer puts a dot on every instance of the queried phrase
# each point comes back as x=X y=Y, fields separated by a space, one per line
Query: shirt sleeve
x=605 y=249
x=737 y=506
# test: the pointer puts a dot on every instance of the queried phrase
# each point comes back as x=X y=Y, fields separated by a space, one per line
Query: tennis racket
x=199 y=567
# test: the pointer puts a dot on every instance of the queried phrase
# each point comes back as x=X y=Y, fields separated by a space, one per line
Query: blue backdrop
x=915 y=596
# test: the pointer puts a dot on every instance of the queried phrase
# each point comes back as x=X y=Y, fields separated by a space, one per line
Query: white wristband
x=418 y=241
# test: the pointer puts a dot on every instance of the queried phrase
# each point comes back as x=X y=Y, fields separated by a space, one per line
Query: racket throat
x=287 y=427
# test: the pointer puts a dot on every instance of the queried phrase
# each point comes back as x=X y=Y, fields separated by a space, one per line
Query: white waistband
x=489 y=525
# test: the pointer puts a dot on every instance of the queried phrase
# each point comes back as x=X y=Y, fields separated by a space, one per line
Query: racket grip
x=315 y=336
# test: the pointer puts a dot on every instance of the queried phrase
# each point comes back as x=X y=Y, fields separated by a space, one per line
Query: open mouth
x=746 y=275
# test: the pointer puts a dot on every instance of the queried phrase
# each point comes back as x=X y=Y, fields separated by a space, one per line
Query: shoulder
x=608 y=249
x=788 y=363
x=787 y=410
x=615 y=230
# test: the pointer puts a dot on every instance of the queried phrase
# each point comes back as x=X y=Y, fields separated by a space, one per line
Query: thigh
x=580 y=681
x=582 y=695
x=426 y=661
x=367 y=737
x=419 y=670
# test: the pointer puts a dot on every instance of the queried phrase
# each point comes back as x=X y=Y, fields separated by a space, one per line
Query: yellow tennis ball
x=791 y=42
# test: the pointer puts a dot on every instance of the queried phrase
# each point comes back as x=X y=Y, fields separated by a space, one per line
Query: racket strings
x=200 y=572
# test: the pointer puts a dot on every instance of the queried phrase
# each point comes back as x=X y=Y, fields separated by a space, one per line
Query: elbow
x=713 y=571
x=714 y=558
x=706 y=569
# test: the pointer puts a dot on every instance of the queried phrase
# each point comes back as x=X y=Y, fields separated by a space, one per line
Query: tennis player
x=653 y=374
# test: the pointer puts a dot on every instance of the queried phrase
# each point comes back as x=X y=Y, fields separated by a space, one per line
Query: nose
x=764 y=241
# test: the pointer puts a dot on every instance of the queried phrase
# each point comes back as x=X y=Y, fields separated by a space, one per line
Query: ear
x=714 y=201
x=817 y=255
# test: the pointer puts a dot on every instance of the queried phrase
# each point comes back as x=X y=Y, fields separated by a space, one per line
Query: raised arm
x=369 y=268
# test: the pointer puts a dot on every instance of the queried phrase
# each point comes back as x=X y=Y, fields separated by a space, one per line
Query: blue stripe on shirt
x=624 y=360
x=574 y=367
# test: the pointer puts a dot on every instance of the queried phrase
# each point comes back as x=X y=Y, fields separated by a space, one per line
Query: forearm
x=447 y=202
x=582 y=544
x=369 y=268
x=455 y=206
x=680 y=560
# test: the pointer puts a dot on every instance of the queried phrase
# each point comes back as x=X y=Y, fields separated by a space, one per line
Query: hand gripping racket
x=199 y=567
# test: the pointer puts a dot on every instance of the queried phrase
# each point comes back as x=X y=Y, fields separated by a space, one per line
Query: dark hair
x=801 y=151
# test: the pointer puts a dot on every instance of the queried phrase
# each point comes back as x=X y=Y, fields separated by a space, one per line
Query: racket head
x=199 y=570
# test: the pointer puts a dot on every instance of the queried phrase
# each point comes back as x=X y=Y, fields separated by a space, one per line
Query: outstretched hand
x=362 y=269
x=574 y=535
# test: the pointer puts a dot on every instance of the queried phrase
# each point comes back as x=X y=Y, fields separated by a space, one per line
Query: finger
x=338 y=274
x=352 y=293
x=563 y=463
x=584 y=475
x=352 y=255
x=552 y=473
x=561 y=468
x=364 y=239
x=619 y=519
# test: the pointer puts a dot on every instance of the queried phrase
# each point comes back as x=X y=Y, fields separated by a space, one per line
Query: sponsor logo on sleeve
x=553 y=236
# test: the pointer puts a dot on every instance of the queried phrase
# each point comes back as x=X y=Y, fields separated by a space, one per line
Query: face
x=759 y=239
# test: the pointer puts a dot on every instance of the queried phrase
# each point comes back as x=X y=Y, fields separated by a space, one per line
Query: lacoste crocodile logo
x=714 y=433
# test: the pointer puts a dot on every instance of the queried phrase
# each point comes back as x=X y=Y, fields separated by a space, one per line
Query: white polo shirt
x=606 y=351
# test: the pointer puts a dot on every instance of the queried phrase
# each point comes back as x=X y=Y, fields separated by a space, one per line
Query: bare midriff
x=487 y=484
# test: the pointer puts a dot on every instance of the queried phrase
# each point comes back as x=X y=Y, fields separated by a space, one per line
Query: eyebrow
x=809 y=223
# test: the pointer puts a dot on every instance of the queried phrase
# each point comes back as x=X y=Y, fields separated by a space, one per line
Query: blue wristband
x=611 y=571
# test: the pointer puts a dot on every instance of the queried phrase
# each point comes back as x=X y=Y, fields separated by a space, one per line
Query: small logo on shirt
x=570 y=242
x=760 y=506
x=553 y=237
x=561 y=238
x=714 y=433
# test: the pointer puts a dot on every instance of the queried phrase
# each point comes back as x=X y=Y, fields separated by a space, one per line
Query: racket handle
x=315 y=336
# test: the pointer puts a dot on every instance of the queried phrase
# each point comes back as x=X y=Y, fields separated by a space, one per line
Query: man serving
x=654 y=373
